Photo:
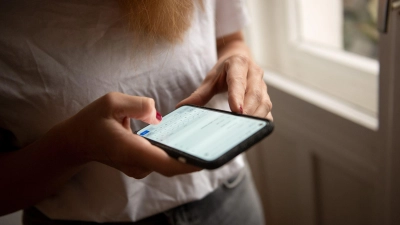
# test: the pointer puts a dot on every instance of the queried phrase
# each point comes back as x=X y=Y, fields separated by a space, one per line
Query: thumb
x=141 y=108
x=200 y=97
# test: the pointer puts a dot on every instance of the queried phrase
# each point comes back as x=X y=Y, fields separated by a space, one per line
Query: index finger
x=236 y=79
x=119 y=106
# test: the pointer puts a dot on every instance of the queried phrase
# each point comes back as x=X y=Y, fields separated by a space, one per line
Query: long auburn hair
x=159 y=19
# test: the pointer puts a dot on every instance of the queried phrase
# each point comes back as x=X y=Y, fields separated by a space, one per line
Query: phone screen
x=203 y=133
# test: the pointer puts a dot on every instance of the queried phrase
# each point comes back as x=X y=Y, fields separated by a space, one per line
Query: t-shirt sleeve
x=231 y=16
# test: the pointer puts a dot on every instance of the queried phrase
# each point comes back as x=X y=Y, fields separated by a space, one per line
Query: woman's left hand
x=243 y=79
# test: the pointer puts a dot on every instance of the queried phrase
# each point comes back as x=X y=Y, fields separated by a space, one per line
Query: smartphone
x=205 y=137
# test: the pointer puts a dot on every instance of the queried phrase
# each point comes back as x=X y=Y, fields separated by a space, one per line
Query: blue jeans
x=235 y=202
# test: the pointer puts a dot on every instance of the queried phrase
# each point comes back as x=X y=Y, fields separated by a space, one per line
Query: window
x=348 y=25
x=327 y=45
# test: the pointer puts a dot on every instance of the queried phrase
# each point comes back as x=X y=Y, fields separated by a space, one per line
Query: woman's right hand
x=101 y=132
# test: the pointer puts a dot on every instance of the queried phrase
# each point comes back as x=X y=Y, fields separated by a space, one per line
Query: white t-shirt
x=58 y=56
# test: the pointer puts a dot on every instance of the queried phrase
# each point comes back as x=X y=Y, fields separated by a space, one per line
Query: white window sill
x=321 y=100
x=360 y=63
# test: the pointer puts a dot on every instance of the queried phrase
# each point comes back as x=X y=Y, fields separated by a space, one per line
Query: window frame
x=346 y=78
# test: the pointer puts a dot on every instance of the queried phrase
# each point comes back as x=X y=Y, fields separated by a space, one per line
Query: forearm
x=30 y=174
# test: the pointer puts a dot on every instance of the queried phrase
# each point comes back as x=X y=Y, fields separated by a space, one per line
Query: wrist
x=61 y=138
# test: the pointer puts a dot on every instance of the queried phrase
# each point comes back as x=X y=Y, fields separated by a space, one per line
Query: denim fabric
x=228 y=205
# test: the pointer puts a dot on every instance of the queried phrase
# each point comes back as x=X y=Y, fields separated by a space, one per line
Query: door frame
x=389 y=122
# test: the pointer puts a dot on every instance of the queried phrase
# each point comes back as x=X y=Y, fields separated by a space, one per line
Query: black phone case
x=229 y=155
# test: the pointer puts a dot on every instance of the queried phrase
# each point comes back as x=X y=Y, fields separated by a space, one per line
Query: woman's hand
x=101 y=132
x=243 y=79
x=236 y=73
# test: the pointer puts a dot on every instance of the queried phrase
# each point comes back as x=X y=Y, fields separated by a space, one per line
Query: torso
x=58 y=56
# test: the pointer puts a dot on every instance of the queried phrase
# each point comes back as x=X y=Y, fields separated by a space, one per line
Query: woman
x=76 y=78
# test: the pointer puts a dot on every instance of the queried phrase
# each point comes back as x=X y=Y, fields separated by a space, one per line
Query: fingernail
x=158 y=116
x=241 y=109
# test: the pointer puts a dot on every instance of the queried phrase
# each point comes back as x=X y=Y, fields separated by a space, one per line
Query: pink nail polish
x=241 y=109
x=158 y=116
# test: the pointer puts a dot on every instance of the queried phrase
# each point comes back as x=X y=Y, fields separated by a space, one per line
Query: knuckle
x=147 y=104
x=236 y=80
x=110 y=99
x=226 y=64
x=259 y=70
x=240 y=59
